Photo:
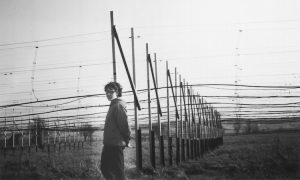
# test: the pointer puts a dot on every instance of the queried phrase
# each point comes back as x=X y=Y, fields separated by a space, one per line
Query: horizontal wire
x=54 y=38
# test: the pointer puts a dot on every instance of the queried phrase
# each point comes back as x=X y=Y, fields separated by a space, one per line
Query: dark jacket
x=116 y=129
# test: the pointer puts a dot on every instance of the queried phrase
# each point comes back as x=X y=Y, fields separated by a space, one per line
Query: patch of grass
x=256 y=160
x=70 y=164
x=260 y=156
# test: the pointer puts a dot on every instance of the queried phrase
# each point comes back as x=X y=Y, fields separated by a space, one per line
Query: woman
x=116 y=134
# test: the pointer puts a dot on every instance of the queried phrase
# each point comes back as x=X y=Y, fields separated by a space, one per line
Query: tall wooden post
x=206 y=128
x=29 y=129
x=134 y=79
x=176 y=125
x=113 y=46
x=138 y=151
x=185 y=121
x=65 y=135
x=168 y=113
x=5 y=140
x=168 y=118
x=151 y=142
x=190 y=110
x=192 y=124
x=58 y=135
x=74 y=135
x=199 y=124
x=69 y=134
x=156 y=79
x=181 y=119
x=54 y=140
x=177 y=129
x=149 y=97
x=160 y=135
x=196 y=126
x=189 y=155
x=22 y=134
x=13 y=135
x=36 y=136
x=48 y=137
x=203 y=144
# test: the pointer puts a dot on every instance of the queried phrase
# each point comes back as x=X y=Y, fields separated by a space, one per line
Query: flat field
x=253 y=156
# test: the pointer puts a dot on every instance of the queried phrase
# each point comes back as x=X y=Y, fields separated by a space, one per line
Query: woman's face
x=111 y=94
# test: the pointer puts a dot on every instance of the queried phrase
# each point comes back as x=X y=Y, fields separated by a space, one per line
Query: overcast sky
x=252 y=42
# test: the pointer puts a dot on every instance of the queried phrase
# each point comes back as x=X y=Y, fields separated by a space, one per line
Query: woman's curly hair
x=115 y=86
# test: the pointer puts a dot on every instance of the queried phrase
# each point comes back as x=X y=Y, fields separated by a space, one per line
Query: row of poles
x=198 y=126
x=38 y=136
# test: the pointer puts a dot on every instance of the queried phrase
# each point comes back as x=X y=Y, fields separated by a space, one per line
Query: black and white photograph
x=141 y=90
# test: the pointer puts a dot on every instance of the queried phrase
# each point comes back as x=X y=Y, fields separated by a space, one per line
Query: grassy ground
x=260 y=156
x=70 y=164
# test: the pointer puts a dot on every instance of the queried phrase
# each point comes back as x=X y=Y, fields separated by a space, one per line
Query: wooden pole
x=193 y=123
x=160 y=135
x=74 y=135
x=29 y=129
x=113 y=46
x=196 y=113
x=36 y=135
x=168 y=118
x=5 y=143
x=189 y=122
x=22 y=134
x=42 y=136
x=181 y=120
x=149 y=92
x=54 y=141
x=138 y=151
x=65 y=135
x=151 y=142
x=13 y=135
x=156 y=79
x=168 y=105
x=191 y=119
x=58 y=135
x=180 y=102
x=69 y=135
x=134 y=79
x=177 y=118
x=207 y=126
x=78 y=135
x=204 y=130
x=213 y=126
x=199 y=125
x=176 y=126
x=185 y=121
x=48 y=137
x=176 y=121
